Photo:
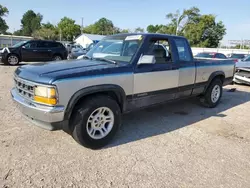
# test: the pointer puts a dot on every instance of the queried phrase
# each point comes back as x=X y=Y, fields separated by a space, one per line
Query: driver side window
x=160 y=49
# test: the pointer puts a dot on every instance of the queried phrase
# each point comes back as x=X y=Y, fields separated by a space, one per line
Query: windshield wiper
x=104 y=59
x=87 y=57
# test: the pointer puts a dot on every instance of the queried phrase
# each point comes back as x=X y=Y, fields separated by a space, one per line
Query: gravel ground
x=175 y=145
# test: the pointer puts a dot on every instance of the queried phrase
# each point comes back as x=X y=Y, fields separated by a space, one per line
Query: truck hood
x=49 y=72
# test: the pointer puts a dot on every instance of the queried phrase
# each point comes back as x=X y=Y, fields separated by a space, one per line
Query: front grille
x=243 y=73
x=24 y=88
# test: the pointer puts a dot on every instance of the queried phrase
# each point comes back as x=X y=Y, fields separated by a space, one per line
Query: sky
x=129 y=14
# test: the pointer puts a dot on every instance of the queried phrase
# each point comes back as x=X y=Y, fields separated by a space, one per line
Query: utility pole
x=82 y=26
x=177 y=22
x=60 y=35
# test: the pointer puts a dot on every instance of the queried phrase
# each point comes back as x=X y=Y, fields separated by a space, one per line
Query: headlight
x=46 y=95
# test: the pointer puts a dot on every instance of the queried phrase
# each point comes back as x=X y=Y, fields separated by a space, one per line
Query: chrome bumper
x=43 y=116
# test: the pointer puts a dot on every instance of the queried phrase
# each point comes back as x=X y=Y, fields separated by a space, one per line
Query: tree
x=46 y=33
x=3 y=25
x=125 y=31
x=154 y=28
x=48 y=25
x=18 y=32
x=178 y=20
x=139 y=30
x=201 y=30
x=30 y=23
x=238 y=46
x=206 y=32
x=103 y=26
x=68 y=28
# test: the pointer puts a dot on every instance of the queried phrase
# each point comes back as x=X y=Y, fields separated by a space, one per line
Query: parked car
x=76 y=51
x=87 y=97
x=87 y=49
x=211 y=55
x=33 y=50
x=242 y=74
x=237 y=57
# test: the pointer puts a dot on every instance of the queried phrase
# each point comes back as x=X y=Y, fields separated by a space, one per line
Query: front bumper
x=241 y=80
x=50 y=118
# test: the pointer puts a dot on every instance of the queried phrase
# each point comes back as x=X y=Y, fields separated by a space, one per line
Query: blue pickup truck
x=87 y=97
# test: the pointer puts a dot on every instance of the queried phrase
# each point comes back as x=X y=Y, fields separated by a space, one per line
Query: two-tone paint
x=134 y=86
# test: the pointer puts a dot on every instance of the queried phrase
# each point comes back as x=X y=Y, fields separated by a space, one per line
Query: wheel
x=213 y=94
x=12 y=60
x=96 y=121
x=57 y=58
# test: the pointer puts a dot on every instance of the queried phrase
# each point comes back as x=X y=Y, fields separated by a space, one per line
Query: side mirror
x=146 y=59
x=23 y=47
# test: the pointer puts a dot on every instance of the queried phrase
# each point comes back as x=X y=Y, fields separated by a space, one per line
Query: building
x=86 y=39
x=9 y=40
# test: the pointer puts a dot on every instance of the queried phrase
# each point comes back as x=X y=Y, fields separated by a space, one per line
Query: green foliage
x=48 y=25
x=125 y=31
x=3 y=25
x=30 y=23
x=68 y=28
x=206 y=32
x=103 y=26
x=200 y=30
x=46 y=33
x=139 y=30
x=154 y=28
x=238 y=46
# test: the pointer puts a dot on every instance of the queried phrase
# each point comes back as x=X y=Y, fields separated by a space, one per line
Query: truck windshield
x=117 y=48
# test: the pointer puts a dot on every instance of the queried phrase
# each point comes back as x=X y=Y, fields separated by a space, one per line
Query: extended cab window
x=183 y=50
x=160 y=49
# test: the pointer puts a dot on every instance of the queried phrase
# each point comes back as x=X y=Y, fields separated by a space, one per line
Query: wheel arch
x=57 y=54
x=114 y=91
x=215 y=75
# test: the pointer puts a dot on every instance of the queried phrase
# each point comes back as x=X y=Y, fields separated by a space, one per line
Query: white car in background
x=242 y=73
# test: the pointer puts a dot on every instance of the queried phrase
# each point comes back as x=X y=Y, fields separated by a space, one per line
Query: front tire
x=213 y=94
x=96 y=121
x=12 y=59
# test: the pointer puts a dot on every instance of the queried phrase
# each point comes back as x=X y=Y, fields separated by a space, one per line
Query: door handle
x=34 y=50
x=49 y=50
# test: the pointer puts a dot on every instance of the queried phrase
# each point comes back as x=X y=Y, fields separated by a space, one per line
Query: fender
x=119 y=92
x=212 y=76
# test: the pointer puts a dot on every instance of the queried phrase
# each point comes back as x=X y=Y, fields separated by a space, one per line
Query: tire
x=57 y=58
x=213 y=94
x=12 y=60
x=86 y=126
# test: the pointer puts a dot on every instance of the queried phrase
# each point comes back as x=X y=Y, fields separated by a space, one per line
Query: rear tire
x=57 y=58
x=96 y=121
x=213 y=94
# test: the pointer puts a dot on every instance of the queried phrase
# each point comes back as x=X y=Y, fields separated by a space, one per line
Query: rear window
x=205 y=55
